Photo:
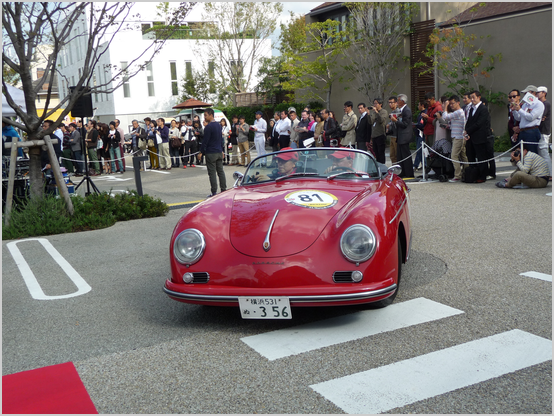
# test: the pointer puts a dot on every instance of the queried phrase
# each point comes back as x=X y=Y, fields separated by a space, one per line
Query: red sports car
x=301 y=227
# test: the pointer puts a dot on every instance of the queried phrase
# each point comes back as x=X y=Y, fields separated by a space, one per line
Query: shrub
x=49 y=215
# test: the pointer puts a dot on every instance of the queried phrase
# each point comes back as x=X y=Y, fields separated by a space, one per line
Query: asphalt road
x=137 y=351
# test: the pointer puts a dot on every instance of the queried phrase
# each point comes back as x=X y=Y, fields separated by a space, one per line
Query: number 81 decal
x=310 y=198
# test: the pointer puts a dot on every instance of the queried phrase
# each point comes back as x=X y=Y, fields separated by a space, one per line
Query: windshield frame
x=252 y=167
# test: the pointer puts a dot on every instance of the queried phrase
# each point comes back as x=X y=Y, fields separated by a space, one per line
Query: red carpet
x=53 y=389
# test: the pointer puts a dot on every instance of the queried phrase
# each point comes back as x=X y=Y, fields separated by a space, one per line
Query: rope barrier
x=481 y=161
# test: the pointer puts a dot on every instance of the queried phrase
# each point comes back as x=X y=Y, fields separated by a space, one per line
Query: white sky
x=299 y=8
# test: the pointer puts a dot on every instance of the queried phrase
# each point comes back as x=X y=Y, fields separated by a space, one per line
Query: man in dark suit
x=476 y=132
x=363 y=129
x=405 y=135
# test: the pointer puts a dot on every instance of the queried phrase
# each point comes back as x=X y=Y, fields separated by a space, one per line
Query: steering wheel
x=342 y=169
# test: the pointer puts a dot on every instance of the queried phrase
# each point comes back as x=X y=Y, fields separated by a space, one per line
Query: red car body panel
x=305 y=249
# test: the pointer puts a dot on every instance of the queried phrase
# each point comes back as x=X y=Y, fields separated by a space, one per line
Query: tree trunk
x=35 y=174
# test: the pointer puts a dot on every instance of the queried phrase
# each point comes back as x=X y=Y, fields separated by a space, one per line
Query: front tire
x=387 y=301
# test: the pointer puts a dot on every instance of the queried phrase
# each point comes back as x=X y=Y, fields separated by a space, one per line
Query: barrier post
x=423 y=144
x=136 y=167
x=521 y=151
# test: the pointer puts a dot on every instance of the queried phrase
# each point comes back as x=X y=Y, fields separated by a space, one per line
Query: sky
x=299 y=8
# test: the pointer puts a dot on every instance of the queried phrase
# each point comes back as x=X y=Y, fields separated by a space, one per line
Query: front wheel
x=387 y=301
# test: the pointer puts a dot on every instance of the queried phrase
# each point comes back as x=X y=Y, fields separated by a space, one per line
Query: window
x=173 y=73
x=150 y=79
x=188 y=69
x=126 y=86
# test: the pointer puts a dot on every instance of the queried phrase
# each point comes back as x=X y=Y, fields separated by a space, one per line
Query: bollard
x=423 y=144
x=136 y=167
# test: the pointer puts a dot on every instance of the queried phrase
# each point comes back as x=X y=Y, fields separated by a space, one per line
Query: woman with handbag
x=174 y=144
x=103 y=147
x=225 y=130
x=115 y=152
x=198 y=133
x=152 y=144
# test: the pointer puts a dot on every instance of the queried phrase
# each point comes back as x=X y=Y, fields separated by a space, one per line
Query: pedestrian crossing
x=405 y=382
x=296 y=340
x=536 y=275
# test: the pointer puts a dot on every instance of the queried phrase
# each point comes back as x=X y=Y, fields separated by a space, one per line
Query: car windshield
x=328 y=163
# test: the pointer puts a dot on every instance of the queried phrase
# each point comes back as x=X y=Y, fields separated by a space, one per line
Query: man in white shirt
x=59 y=135
x=260 y=127
x=529 y=115
x=293 y=133
x=284 y=130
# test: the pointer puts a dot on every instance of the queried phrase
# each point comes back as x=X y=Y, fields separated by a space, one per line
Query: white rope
x=481 y=161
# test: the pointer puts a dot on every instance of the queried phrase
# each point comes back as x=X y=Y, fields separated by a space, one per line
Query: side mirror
x=396 y=170
x=237 y=176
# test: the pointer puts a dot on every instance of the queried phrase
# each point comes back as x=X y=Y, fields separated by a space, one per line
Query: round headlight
x=358 y=243
x=189 y=246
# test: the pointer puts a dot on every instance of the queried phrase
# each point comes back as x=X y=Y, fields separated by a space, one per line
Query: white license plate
x=259 y=307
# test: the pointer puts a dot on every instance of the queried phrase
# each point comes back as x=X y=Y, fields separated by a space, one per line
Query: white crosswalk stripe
x=536 y=275
x=296 y=340
x=405 y=382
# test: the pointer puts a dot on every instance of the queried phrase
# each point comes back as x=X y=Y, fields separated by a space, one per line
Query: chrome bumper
x=293 y=299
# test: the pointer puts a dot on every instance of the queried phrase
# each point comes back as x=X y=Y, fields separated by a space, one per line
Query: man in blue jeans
x=212 y=147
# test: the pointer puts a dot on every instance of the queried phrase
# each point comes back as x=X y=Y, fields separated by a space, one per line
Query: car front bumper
x=295 y=300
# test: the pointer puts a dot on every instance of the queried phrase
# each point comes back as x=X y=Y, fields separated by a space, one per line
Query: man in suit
x=476 y=132
x=363 y=129
x=405 y=134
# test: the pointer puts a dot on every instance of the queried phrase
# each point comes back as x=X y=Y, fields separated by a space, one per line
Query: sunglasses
x=513 y=96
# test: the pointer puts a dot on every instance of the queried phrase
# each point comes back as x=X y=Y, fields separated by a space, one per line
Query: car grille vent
x=342 y=277
x=201 y=277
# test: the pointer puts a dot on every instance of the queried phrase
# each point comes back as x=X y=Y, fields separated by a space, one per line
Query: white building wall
x=126 y=47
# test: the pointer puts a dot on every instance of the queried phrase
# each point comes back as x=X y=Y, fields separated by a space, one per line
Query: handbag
x=175 y=143
x=151 y=143
x=142 y=144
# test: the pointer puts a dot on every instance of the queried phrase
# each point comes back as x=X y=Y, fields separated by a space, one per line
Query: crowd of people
x=458 y=129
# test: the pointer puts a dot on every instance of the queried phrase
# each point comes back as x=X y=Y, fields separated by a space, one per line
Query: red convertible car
x=301 y=227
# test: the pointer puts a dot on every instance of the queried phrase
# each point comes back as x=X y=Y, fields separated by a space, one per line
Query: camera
x=516 y=153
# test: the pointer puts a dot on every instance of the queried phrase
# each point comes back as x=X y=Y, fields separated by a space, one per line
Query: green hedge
x=49 y=215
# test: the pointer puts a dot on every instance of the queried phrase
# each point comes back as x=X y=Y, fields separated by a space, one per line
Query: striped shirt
x=534 y=165
x=457 y=121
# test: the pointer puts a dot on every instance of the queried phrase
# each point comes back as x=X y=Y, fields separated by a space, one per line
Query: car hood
x=303 y=213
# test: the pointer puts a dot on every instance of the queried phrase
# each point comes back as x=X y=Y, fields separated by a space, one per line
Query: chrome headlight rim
x=177 y=253
x=343 y=242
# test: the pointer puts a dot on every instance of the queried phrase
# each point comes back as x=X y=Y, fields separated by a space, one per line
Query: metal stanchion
x=423 y=144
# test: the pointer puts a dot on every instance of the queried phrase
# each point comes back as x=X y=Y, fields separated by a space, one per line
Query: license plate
x=259 y=307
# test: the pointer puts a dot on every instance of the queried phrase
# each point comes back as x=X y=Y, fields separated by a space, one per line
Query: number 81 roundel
x=310 y=198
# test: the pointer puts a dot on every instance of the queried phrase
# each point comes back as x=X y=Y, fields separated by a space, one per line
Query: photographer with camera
x=532 y=172
x=379 y=118
x=391 y=129
x=330 y=130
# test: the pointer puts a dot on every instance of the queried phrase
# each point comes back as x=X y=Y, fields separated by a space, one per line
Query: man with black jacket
x=363 y=129
x=212 y=147
x=476 y=131
x=329 y=128
x=405 y=134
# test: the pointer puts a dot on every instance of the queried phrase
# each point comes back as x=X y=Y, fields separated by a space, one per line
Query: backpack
x=470 y=174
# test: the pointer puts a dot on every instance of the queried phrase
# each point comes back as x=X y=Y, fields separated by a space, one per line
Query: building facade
x=503 y=26
x=155 y=89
